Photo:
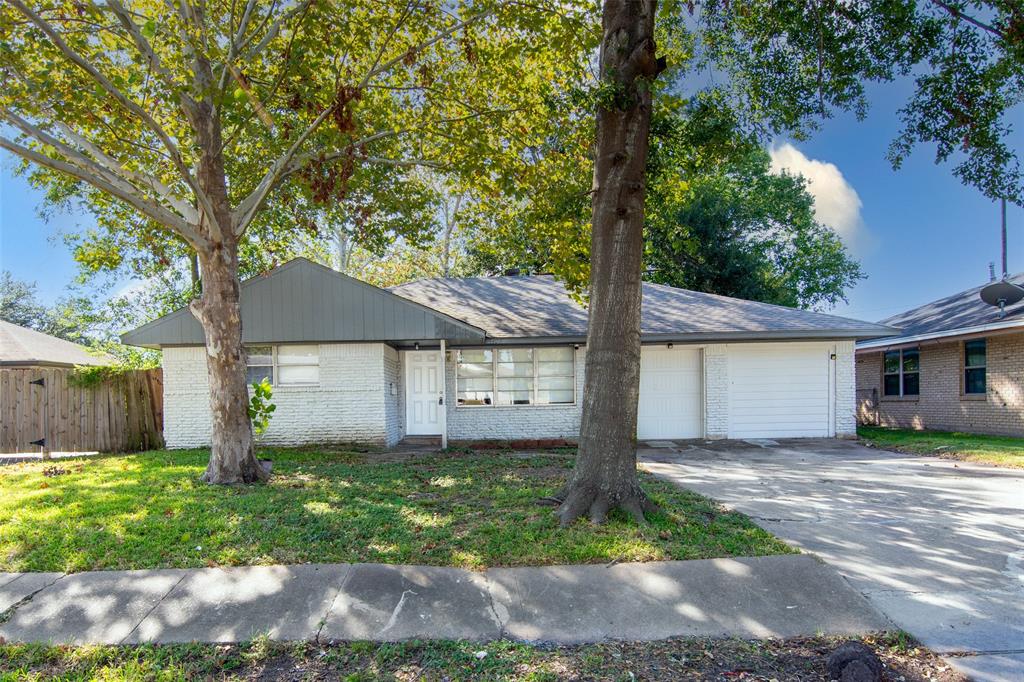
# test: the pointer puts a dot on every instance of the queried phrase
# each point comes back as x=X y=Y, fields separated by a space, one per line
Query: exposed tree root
x=251 y=470
x=581 y=499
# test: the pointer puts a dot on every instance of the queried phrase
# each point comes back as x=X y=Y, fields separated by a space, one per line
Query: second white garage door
x=779 y=390
x=670 y=393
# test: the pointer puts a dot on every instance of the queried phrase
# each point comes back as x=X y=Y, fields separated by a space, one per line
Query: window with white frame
x=286 y=365
x=475 y=377
x=901 y=373
x=516 y=376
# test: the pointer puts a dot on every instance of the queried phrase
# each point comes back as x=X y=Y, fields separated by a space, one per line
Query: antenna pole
x=1004 y=239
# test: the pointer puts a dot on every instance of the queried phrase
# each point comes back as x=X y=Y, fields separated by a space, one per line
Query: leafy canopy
x=321 y=110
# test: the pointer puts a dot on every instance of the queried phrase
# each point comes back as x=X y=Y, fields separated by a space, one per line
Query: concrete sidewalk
x=781 y=596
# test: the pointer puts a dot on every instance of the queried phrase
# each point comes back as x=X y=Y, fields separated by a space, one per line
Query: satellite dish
x=1002 y=294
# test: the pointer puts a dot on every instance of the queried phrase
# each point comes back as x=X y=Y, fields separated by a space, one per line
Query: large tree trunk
x=605 y=473
x=232 y=457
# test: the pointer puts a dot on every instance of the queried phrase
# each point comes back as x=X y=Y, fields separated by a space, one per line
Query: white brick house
x=354 y=363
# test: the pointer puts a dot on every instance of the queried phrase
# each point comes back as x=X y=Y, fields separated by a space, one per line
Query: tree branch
x=122 y=99
x=187 y=211
x=159 y=214
x=146 y=50
x=416 y=49
x=277 y=171
x=959 y=14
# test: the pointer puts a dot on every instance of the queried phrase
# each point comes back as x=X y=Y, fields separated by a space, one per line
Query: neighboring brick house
x=502 y=358
x=957 y=365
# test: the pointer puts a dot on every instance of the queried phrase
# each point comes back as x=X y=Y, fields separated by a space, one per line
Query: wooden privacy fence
x=120 y=414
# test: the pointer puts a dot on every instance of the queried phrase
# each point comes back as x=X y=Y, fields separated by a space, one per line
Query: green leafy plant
x=260 y=407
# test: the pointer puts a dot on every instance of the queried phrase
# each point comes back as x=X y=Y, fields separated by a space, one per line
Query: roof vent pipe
x=992 y=271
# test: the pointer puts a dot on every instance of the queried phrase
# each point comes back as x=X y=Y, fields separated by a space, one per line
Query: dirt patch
x=799 y=659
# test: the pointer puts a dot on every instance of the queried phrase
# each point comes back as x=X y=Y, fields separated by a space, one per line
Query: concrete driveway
x=936 y=545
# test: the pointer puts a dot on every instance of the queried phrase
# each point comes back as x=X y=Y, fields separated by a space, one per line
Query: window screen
x=298 y=364
x=475 y=377
x=259 y=364
x=556 y=376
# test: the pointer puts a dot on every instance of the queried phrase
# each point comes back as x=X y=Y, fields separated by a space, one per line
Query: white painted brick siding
x=514 y=421
x=846 y=394
x=350 y=404
x=716 y=391
x=354 y=401
x=394 y=403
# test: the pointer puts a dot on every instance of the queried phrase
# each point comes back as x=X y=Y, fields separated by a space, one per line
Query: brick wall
x=716 y=391
x=351 y=404
x=846 y=398
x=941 y=405
x=394 y=392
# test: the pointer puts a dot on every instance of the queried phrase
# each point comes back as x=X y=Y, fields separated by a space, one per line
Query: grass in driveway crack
x=7 y=614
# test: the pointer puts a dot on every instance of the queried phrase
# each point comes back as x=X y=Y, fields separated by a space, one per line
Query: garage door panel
x=779 y=390
x=670 y=393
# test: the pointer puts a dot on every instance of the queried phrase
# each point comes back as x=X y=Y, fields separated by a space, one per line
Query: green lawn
x=471 y=509
x=706 y=659
x=997 y=450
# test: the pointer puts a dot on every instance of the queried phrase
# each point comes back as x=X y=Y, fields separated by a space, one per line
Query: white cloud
x=836 y=202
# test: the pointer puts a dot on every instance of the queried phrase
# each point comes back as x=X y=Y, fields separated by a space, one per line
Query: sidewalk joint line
x=160 y=601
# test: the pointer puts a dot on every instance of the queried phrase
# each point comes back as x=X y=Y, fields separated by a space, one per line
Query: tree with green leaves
x=719 y=220
x=716 y=218
x=19 y=302
x=206 y=119
x=785 y=64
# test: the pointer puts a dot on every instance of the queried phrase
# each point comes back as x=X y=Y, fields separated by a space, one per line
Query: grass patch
x=794 y=659
x=1002 y=451
x=472 y=510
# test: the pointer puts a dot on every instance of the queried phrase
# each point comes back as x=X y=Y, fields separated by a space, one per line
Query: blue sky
x=918 y=233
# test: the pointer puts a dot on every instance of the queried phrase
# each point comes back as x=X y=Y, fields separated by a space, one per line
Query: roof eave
x=705 y=337
x=882 y=343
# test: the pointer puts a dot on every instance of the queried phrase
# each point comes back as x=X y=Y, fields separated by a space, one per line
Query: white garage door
x=780 y=390
x=670 y=393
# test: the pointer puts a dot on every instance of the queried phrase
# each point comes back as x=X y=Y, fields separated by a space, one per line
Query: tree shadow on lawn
x=471 y=510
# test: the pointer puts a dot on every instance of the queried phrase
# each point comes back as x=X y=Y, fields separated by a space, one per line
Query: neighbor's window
x=901 y=372
x=974 y=367
x=283 y=365
x=516 y=376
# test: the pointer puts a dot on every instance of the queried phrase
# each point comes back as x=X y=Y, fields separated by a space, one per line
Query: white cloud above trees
x=836 y=202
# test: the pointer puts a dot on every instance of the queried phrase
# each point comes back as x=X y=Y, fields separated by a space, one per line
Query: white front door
x=670 y=393
x=423 y=393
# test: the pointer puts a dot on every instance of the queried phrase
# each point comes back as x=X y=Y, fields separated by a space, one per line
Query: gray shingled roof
x=951 y=314
x=20 y=346
x=538 y=307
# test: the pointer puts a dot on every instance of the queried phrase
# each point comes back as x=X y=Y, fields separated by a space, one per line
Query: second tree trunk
x=605 y=476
